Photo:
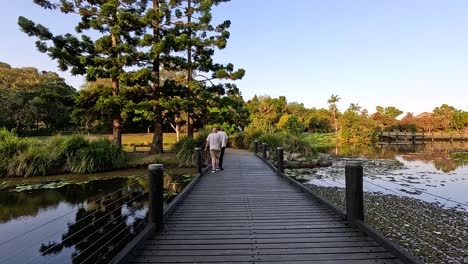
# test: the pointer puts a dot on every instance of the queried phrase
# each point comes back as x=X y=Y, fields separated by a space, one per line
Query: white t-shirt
x=224 y=138
x=215 y=140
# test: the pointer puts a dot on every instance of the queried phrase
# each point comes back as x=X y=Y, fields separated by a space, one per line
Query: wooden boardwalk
x=247 y=214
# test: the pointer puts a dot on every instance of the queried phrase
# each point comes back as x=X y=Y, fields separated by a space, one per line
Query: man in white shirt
x=224 y=141
x=214 y=141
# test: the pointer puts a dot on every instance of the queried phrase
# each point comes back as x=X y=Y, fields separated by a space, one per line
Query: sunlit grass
x=320 y=140
x=128 y=140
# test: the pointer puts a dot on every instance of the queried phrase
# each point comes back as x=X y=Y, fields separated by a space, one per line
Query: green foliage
x=357 y=129
x=320 y=140
x=31 y=157
x=29 y=98
x=290 y=143
x=237 y=140
x=297 y=144
x=99 y=155
x=185 y=148
x=294 y=126
x=36 y=160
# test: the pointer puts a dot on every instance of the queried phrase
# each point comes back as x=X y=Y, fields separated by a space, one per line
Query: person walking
x=224 y=141
x=213 y=142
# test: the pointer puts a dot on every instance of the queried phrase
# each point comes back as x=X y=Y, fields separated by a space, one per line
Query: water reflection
x=444 y=156
x=435 y=173
x=74 y=223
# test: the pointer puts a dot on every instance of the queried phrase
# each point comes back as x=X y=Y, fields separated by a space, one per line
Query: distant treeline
x=32 y=101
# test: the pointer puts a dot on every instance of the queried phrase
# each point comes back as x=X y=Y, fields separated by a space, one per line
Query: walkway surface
x=247 y=214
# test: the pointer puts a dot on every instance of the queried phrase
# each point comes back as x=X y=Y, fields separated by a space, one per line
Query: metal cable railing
x=86 y=227
x=415 y=233
x=121 y=240
x=405 y=224
x=99 y=234
x=74 y=224
x=60 y=217
x=422 y=191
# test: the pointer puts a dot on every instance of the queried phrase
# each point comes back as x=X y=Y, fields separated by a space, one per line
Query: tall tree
x=29 y=98
x=444 y=116
x=332 y=101
x=119 y=24
x=199 y=39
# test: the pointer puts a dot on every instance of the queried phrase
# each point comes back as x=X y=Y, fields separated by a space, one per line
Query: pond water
x=435 y=172
x=75 y=223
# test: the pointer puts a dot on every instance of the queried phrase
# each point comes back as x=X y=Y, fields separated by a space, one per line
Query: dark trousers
x=221 y=157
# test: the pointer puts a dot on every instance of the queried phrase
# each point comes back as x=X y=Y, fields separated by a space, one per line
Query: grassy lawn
x=320 y=140
x=140 y=138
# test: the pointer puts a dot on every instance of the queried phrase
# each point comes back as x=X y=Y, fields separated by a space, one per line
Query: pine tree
x=120 y=26
x=199 y=38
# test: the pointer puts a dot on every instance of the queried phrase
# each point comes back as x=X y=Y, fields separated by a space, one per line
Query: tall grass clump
x=184 y=149
x=27 y=157
x=35 y=160
x=10 y=146
x=98 y=155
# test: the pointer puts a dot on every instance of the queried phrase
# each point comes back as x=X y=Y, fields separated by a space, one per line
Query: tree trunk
x=190 y=127
x=157 y=144
x=116 y=120
x=176 y=127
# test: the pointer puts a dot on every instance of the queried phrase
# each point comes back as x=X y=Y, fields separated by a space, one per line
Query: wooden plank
x=262 y=246
x=256 y=240
x=260 y=258
x=282 y=251
x=247 y=214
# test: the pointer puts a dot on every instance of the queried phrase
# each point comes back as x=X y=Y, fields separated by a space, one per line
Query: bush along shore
x=28 y=157
x=428 y=230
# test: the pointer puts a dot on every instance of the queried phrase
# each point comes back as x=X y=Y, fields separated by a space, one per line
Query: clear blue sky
x=412 y=54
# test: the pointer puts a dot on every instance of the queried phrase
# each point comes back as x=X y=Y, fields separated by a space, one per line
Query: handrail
x=137 y=242
x=354 y=219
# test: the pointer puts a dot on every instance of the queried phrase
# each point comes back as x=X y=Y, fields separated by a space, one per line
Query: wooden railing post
x=414 y=138
x=156 y=195
x=255 y=146
x=389 y=138
x=264 y=150
x=198 y=160
x=280 y=159
x=354 y=192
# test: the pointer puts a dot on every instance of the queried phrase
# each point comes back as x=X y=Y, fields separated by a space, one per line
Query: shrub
x=295 y=144
x=237 y=141
x=98 y=155
x=250 y=137
x=184 y=149
x=36 y=160
x=10 y=146
x=65 y=147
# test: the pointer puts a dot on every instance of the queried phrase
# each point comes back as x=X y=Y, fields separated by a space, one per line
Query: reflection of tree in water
x=445 y=156
x=102 y=228
x=16 y=204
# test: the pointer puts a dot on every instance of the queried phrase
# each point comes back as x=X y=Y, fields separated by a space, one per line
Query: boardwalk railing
x=97 y=232
x=409 y=137
x=157 y=212
x=102 y=230
x=354 y=206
